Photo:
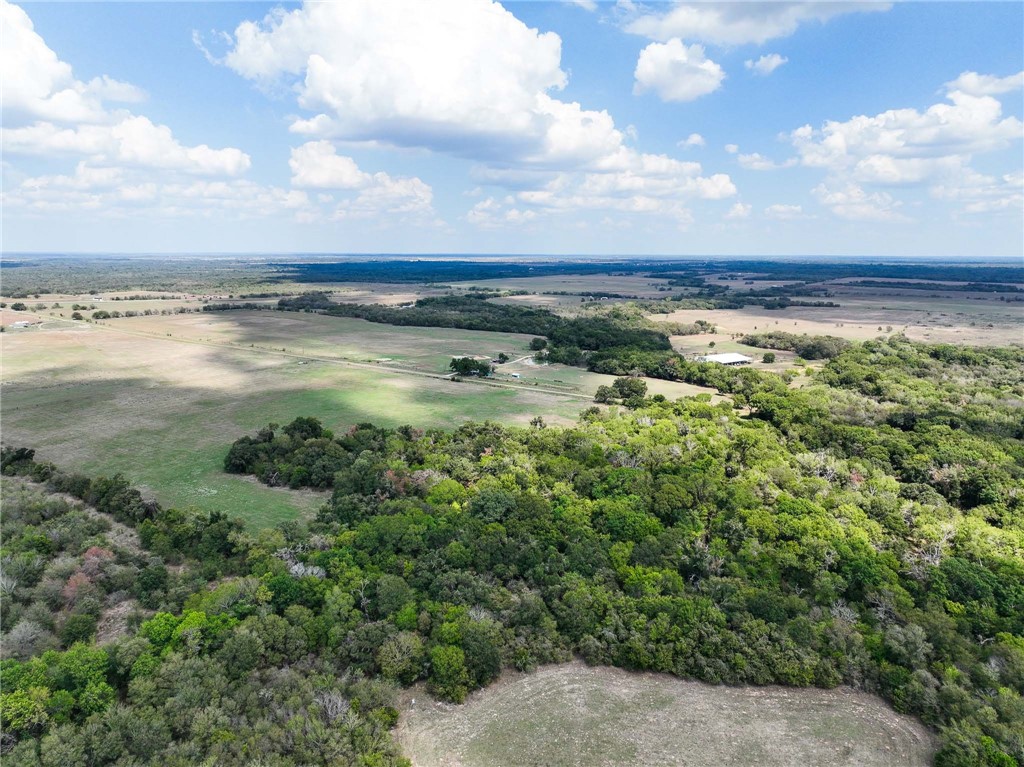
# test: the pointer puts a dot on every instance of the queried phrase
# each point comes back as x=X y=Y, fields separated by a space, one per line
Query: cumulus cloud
x=653 y=185
x=854 y=204
x=967 y=125
x=980 y=193
x=739 y=23
x=933 y=148
x=132 y=140
x=38 y=85
x=766 y=64
x=784 y=212
x=738 y=211
x=119 y=193
x=317 y=165
x=465 y=78
x=694 y=139
x=754 y=161
x=677 y=72
x=46 y=111
x=123 y=163
x=974 y=84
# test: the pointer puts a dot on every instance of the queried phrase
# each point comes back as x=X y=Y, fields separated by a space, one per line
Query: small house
x=729 y=358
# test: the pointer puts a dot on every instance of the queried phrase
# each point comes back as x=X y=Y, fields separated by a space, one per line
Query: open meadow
x=572 y=715
x=161 y=398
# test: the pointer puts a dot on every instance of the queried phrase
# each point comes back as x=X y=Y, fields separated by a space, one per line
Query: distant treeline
x=820 y=271
x=450 y=271
x=471 y=313
x=971 y=287
x=686 y=272
x=248 y=305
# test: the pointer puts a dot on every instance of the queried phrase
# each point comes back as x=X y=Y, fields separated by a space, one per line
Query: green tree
x=449 y=678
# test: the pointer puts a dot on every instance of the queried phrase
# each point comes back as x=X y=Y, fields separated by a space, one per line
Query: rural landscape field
x=492 y=383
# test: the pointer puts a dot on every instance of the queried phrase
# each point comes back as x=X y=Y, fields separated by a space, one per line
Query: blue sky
x=466 y=126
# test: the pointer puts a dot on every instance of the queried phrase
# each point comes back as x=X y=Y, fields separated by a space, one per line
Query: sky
x=471 y=126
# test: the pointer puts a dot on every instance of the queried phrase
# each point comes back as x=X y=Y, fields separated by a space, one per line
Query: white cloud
x=654 y=185
x=587 y=5
x=974 y=84
x=38 y=85
x=676 y=72
x=784 y=212
x=732 y=148
x=694 y=139
x=492 y=214
x=766 y=64
x=123 y=163
x=985 y=194
x=755 y=161
x=463 y=78
x=132 y=140
x=909 y=148
x=854 y=204
x=119 y=193
x=738 y=211
x=317 y=165
x=740 y=23
x=968 y=125
x=47 y=112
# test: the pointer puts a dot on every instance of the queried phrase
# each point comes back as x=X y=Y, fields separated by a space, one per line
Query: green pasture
x=171 y=438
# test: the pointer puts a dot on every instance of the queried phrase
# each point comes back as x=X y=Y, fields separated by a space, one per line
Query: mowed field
x=575 y=716
x=162 y=398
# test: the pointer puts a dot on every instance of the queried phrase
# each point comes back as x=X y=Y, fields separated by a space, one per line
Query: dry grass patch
x=575 y=716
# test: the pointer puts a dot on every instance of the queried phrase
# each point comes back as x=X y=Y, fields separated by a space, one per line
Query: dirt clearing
x=572 y=715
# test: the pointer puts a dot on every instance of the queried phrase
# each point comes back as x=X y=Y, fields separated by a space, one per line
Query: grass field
x=575 y=716
x=164 y=409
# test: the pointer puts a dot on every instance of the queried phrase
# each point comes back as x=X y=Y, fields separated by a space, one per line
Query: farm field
x=427 y=350
x=634 y=285
x=961 y=321
x=423 y=350
x=572 y=715
x=163 y=410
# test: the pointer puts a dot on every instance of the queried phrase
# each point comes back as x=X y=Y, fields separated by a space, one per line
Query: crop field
x=146 y=397
x=575 y=716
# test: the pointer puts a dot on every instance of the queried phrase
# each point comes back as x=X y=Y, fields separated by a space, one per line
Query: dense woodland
x=866 y=530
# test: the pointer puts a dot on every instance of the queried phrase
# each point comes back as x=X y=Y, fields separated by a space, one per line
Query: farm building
x=729 y=358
